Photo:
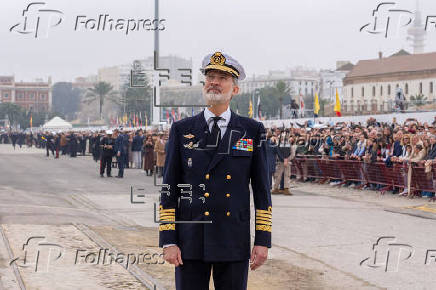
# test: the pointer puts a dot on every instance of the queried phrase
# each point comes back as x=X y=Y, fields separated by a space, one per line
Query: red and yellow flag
x=337 y=108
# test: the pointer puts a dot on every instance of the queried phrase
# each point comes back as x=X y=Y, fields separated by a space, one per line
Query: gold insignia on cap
x=189 y=136
x=217 y=59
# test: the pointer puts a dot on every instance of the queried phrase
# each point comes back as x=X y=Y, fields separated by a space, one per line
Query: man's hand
x=258 y=257
x=119 y=154
x=173 y=255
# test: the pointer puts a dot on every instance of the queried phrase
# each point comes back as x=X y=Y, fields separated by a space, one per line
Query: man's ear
x=235 y=90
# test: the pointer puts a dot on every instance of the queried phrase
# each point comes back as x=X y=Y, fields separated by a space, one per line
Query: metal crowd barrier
x=392 y=177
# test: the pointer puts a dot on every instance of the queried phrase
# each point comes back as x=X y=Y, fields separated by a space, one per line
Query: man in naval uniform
x=205 y=200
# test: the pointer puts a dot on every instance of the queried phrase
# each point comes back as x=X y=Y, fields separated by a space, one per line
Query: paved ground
x=87 y=233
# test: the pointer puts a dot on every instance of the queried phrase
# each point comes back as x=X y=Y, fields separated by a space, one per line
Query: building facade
x=29 y=95
x=371 y=85
x=332 y=80
x=298 y=84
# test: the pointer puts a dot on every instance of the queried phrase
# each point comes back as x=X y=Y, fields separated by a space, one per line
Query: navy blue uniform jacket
x=213 y=185
x=121 y=144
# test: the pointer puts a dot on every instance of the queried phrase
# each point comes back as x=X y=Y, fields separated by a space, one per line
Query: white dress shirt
x=222 y=124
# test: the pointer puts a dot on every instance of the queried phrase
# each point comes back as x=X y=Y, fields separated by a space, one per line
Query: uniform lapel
x=199 y=131
x=233 y=133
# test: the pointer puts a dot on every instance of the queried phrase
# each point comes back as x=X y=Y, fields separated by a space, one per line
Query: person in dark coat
x=107 y=152
x=72 y=142
x=137 y=143
x=211 y=160
x=14 y=137
x=148 y=155
x=82 y=144
x=21 y=137
x=121 y=147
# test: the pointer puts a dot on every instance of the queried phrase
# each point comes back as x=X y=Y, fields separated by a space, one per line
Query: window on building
x=363 y=91
x=6 y=95
x=32 y=96
x=420 y=88
x=397 y=86
x=406 y=88
x=381 y=91
x=431 y=88
x=382 y=108
x=374 y=105
x=389 y=90
x=352 y=92
x=373 y=91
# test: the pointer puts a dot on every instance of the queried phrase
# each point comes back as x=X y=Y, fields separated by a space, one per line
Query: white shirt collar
x=225 y=115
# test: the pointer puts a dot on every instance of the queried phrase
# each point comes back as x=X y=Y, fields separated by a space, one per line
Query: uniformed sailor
x=212 y=158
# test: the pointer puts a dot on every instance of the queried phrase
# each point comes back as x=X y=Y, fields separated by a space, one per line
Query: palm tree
x=12 y=111
x=418 y=100
x=100 y=92
x=282 y=91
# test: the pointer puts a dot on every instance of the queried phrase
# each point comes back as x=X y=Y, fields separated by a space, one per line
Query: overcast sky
x=263 y=35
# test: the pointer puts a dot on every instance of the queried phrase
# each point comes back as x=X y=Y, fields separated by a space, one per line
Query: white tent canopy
x=57 y=123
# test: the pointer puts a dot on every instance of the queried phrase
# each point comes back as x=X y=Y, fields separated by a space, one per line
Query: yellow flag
x=250 y=110
x=316 y=105
x=337 y=105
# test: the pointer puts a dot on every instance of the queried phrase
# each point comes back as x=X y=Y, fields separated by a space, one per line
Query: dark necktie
x=215 y=134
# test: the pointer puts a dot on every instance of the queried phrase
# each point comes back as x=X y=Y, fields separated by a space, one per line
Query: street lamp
x=330 y=93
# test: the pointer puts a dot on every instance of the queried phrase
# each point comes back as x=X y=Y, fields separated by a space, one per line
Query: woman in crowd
x=148 y=155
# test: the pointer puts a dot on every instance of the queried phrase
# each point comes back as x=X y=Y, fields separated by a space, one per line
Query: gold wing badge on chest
x=191 y=144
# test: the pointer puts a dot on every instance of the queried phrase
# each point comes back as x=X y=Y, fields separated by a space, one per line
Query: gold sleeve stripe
x=167 y=214
x=167 y=210
x=167 y=227
x=263 y=219
x=263 y=223
x=264 y=216
x=263 y=211
x=168 y=219
x=263 y=228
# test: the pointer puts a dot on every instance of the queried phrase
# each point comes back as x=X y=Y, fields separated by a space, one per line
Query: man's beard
x=216 y=98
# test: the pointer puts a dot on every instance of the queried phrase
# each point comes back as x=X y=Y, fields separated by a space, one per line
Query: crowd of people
x=411 y=142
x=112 y=148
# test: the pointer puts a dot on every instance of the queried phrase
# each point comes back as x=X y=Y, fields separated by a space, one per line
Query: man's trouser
x=195 y=275
x=280 y=169
x=121 y=163
x=106 y=162
x=136 y=158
